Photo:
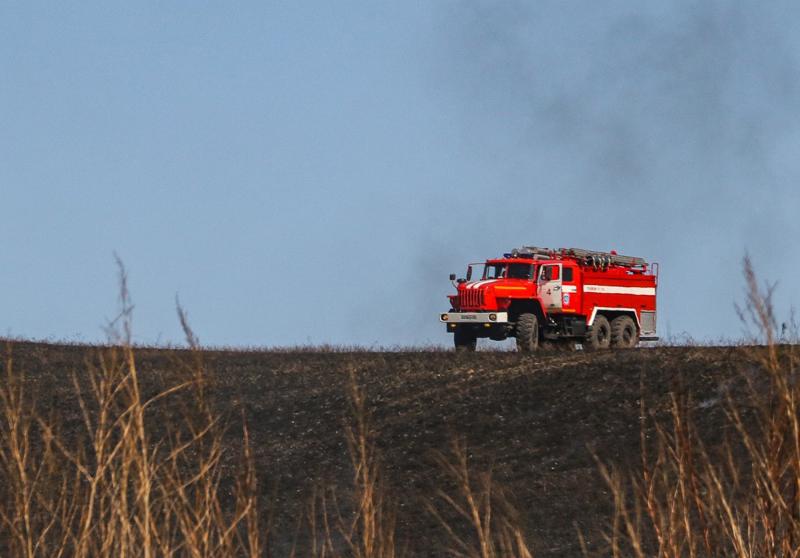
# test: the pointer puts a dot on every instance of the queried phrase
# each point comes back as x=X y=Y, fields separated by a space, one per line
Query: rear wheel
x=624 y=334
x=464 y=340
x=527 y=333
x=598 y=335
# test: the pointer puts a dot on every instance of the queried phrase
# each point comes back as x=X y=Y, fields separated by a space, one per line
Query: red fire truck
x=556 y=299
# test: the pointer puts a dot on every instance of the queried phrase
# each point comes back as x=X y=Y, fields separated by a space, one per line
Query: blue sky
x=311 y=172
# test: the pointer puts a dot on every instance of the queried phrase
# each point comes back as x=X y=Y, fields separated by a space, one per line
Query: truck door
x=550 y=287
x=570 y=294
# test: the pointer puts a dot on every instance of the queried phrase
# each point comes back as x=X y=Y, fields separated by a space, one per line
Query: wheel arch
x=526 y=306
x=611 y=313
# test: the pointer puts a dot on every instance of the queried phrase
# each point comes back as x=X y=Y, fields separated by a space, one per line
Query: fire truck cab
x=552 y=299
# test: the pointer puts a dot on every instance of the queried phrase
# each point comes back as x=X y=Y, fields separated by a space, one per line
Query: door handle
x=557 y=288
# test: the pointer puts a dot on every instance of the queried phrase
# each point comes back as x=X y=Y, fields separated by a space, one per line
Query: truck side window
x=550 y=273
x=568 y=274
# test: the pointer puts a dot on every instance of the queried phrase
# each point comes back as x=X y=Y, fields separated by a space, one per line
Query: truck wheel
x=464 y=340
x=598 y=335
x=624 y=334
x=527 y=333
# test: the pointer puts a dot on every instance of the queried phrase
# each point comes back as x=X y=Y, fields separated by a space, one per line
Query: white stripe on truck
x=608 y=289
x=479 y=284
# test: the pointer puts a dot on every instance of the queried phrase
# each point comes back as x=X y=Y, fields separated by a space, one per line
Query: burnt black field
x=537 y=422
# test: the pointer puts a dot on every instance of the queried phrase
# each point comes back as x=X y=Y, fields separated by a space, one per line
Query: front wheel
x=527 y=333
x=464 y=340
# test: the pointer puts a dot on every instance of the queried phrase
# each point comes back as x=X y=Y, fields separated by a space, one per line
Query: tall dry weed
x=493 y=525
x=360 y=523
x=124 y=483
x=740 y=497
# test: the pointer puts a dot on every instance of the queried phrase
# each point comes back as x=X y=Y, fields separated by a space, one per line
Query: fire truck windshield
x=512 y=271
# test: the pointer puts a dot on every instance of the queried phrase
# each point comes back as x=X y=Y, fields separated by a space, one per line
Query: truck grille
x=470 y=298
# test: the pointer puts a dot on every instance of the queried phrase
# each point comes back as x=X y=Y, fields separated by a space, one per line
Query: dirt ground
x=537 y=422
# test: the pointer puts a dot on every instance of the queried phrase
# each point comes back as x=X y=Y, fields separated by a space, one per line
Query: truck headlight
x=492 y=317
x=445 y=317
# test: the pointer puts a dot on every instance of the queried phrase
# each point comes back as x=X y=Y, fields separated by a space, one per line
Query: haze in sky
x=311 y=172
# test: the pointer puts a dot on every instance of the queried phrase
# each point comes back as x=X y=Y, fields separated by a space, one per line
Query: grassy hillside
x=544 y=426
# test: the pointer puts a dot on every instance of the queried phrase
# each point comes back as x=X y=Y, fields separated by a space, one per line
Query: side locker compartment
x=648 y=321
x=648 y=312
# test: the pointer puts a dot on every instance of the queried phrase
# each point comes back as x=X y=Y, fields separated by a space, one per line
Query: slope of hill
x=538 y=423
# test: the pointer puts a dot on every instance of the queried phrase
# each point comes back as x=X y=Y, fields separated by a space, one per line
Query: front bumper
x=474 y=318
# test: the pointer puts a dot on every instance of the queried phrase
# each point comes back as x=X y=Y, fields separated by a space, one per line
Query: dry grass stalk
x=495 y=525
x=114 y=489
x=371 y=532
x=365 y=527
x=741 y=499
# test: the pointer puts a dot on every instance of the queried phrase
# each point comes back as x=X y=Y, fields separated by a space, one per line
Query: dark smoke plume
x=662 y=130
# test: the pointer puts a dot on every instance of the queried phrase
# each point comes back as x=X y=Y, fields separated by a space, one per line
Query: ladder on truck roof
x=587 y=257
